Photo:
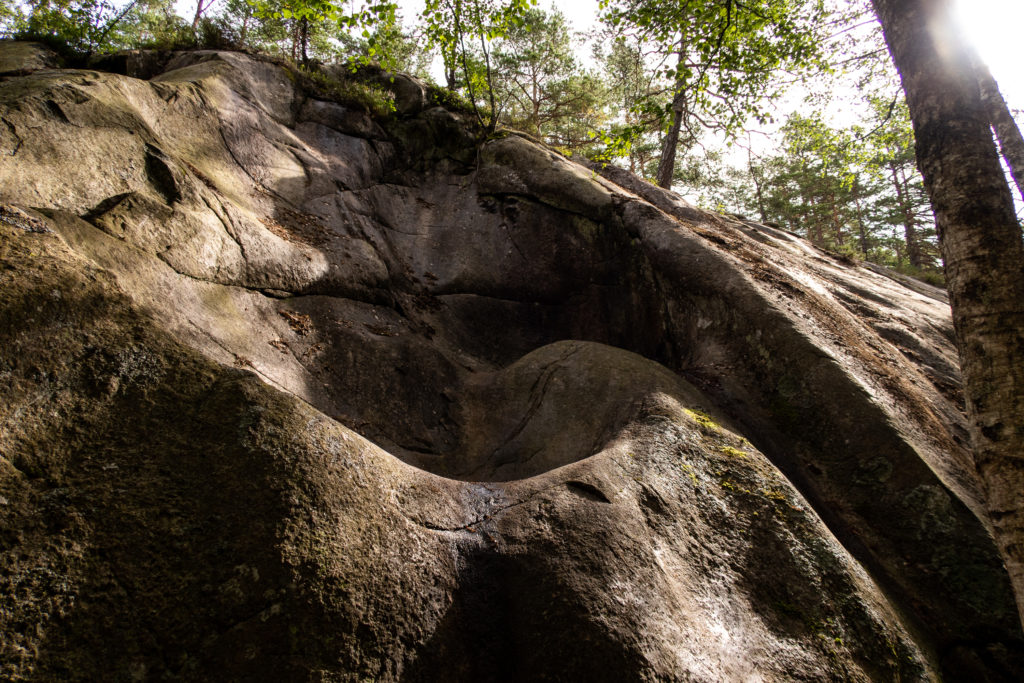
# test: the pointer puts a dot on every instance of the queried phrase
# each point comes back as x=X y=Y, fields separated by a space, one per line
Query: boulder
x=293 y=392
x=20 y=58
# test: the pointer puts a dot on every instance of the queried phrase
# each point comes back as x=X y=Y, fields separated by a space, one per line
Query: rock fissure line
x=14 y=132
x=89 y=217
x=249 y=366
x=537 y=397
x=442 y=293
x=229 y=226
x=491 y=514
x=360 y=230
x=256 y=183
x=538 y=199
x=512 y=239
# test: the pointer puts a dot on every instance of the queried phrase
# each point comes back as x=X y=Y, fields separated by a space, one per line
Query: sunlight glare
x=994 y=28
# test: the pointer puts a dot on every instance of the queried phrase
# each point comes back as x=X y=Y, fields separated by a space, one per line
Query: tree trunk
x=304 y=39
x=837 y=225
x=1011 y=143
x=201 y=7
x=243 y=33
x=535 y=98
x=667 y=163
x=758 y=192
x=909 y=225
x=862 y=231
x=981 y=245
x=811 y=226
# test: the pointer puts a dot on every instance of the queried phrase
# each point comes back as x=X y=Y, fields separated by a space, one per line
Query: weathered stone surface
x=19 y=58
x=142 y=64
x=290 y=393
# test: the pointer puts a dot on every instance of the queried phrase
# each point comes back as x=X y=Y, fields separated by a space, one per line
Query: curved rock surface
x=294 y=392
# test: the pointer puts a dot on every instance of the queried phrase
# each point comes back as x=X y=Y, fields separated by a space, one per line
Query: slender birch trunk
x=1011 y=143
x=981 y=245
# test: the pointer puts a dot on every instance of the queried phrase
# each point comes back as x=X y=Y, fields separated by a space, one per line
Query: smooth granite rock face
x=289 y=391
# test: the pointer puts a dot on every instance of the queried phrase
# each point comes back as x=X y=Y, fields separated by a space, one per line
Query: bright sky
x=994 y=27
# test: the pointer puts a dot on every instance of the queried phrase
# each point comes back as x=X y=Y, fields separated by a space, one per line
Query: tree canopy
x=719 y=60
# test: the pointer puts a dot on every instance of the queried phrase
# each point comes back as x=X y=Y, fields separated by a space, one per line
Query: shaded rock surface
x=291 y=392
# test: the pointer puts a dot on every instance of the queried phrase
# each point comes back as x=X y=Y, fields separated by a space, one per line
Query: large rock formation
x=295 y=392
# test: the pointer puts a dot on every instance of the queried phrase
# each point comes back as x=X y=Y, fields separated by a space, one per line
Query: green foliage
x=153 y=24
x=84 y=26
x=932 y=276
x=814 y=186
x=449 y=99
x=853 y=191
x=394 y=49
x=88 y=27
x=352 y=92
x=634 y=97
x=541 y=87
x=464 y=31
x=308 y=29
x=257 y=28
x=326 y=10
x=717 y=62
x=10 y=17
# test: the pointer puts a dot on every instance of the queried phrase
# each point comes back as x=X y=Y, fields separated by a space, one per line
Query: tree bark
x=981 y=245
x=667 y=163
x=243 y=33
x=909 y=224
x=1011 y=143
x=862 y=231
x=837 y=225
x=304 y=39
x=758 y=192
x=451 y=77
x=201 y=7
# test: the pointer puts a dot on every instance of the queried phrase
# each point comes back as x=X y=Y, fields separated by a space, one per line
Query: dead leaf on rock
x=293 y=226
x=299 y=322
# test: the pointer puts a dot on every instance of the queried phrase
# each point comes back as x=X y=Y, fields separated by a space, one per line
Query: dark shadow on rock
x=511 y=620
x=475 y=640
